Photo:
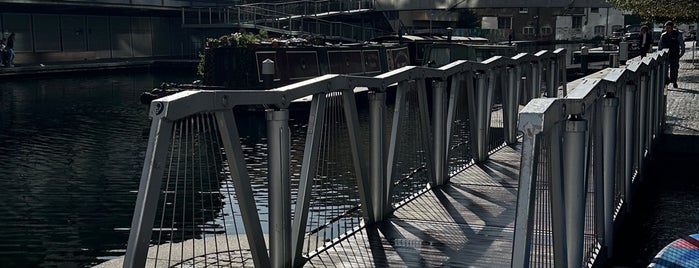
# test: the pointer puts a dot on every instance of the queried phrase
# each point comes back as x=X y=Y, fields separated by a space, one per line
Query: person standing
x=10 y=47
x=646 y=40
x=673 y=41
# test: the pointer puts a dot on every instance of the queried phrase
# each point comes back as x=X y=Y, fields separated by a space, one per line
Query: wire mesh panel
x=592 y=222
x=541 y=254
x=460 y=154
x=410 y=172
x=497 y=130
x=198 y=220
x=335 y=202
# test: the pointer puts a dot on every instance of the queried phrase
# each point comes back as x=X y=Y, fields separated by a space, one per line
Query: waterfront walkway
x=470 y=221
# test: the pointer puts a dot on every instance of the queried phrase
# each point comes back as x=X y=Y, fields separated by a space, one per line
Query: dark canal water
x=71 y=153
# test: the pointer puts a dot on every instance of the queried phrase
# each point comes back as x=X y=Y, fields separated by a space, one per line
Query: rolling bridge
x=423 y=167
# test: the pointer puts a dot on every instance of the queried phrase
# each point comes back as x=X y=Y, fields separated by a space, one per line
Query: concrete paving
x=683 y=102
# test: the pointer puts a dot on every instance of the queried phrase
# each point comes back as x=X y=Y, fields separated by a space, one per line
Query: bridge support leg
x=439 y=100
x=629 y=134
x=379 y=182
x=479 y=117
x=650 y=127
x=553 y=79
x=642 y=124
x=278 y=152
x=562 y=71
x=609 y=128
x=535 y=80
x=511 y=105
x=574 y=185
x=148 y=193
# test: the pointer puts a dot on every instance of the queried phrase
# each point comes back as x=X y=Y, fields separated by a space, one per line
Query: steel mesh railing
x=593 y=143
x=226 y=187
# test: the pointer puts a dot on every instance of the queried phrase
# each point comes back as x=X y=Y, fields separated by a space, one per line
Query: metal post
x=278 y=154
x=377 y=173
x=556 y=198
x=623 y=52
x=526 y=194
x=439 y=142
x=630 y=133
x=642 y=118
x=609 y=130
x=563 y=74
x=481 y=134
x=583 y=59
x=267 y=73
x=511 y=106
x=524 y=85
x=536 y=80
x=552 y=87
x=652 y=87
x=574 y=151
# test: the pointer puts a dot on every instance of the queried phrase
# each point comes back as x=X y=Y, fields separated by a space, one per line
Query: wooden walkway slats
x=467 y=223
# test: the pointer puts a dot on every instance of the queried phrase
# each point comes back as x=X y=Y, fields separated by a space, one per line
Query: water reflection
x=71 y=152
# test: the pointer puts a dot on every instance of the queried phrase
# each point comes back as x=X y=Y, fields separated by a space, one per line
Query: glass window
x=546 y=30
x=528 y=30
x=577 y=22
x=599 y=30
x=504 y=22
x=523 y=10
x=594 y=10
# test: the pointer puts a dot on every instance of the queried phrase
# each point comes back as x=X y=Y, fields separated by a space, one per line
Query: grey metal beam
x=308 y=172
x=148 y=193
x=243 y=188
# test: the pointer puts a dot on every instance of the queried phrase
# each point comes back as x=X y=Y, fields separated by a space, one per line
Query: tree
x=468 y=19
x=680 y=11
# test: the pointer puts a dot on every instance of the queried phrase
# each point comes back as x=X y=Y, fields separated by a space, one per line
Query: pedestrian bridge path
x=430 y=167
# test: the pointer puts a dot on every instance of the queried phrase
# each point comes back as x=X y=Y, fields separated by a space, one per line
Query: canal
x=71 y=153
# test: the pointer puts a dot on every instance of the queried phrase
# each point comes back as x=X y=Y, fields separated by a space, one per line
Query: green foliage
x=234 y=40
x=200 y=67
x=680 y=11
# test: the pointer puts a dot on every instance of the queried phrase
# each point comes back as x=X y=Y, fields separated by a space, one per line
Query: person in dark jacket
x=674 y=42
x=646 y=40
x=10 y=47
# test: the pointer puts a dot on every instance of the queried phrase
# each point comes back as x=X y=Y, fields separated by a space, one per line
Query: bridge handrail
x=460 y=86
x=584 y=145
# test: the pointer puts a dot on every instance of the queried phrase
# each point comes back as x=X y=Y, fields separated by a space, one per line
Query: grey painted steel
x=308 y=172
x=535 y=80
x=454 y=95
x=574 y=152
x=532 y=121
x=378 y=179
x=352 y=118
x=511 y=105
x=609 y=128
x=481 y=145
x=398 y=110
x=524 y=220
x=642 y=123
x=557 y=200
x=425 y=133
x=564 y=78
x=148 y=193
x=651 y=110
x=278 y=154
x=629 y=137
x=552 y=87
x=243 y=189
x=439 y=125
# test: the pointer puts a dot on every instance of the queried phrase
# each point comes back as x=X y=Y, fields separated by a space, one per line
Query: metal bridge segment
x=580 y=155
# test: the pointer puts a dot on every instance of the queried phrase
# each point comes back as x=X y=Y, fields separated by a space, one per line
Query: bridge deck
x=467 y=222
